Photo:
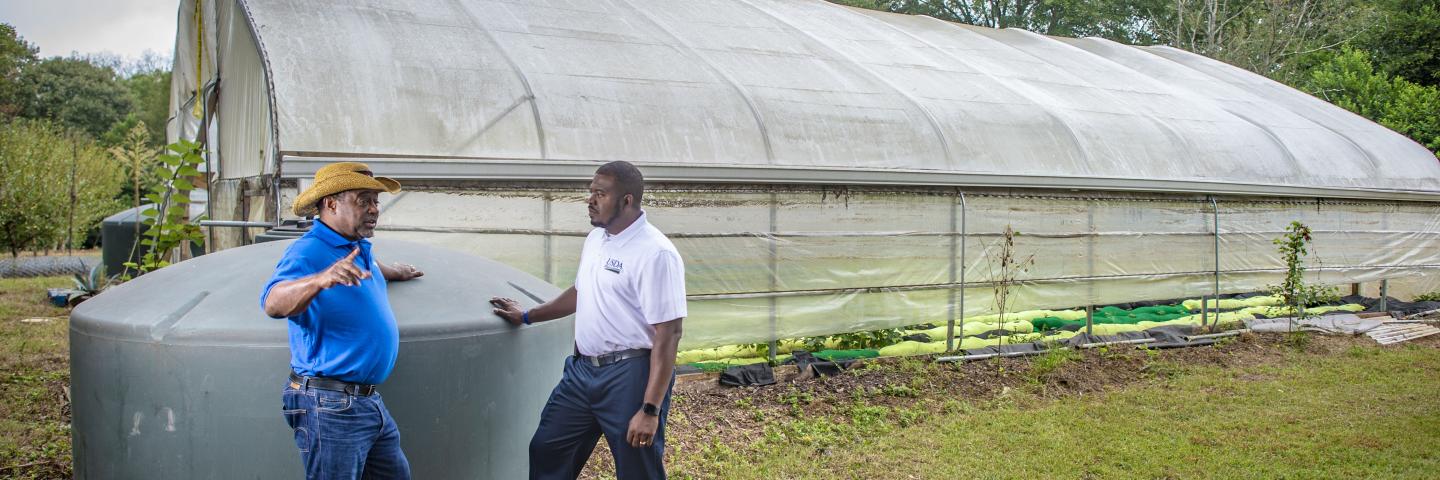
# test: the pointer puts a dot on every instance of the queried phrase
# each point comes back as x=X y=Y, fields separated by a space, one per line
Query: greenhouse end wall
x=772 y=262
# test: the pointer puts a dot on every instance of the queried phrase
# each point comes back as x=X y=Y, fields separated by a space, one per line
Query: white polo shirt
x=626 y=284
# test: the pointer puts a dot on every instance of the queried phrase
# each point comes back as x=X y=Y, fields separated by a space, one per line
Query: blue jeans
x=343 y=436
x=590 y=401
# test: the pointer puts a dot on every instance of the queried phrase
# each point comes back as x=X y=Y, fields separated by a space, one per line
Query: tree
x=138 y=158
x=1119 y=20
x=1350 y=81
x=75 y=93
x=150 y=95
x=1275 y=38
x=55 y=185
x=1406 y=40
x=15 y=54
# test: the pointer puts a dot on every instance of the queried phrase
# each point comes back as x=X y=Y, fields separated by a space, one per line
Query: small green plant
x=1051 y=361
x=1295 y=293
x=1428 y=297
x=92 y=283
x=903 y=391
x=795 y=398
x=1297 y=339
x=863 y=416
x=167 y=223
x=909 y=416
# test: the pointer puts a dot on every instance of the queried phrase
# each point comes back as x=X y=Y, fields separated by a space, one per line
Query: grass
x=34 y=375
x=1367 y=412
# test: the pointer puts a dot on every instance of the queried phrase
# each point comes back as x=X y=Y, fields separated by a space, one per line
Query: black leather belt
x=331 y=384
x=613 y=357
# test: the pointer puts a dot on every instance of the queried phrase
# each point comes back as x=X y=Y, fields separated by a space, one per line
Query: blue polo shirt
x=347 y=333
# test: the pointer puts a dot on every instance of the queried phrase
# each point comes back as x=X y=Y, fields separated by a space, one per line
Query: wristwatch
x=651 y=410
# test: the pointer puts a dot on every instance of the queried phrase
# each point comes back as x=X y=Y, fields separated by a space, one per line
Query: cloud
x=123 y=27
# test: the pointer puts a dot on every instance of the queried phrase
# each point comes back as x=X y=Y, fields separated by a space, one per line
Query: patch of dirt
x=737 y=416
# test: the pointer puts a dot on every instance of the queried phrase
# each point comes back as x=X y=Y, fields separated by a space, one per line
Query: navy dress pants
x=590 y=401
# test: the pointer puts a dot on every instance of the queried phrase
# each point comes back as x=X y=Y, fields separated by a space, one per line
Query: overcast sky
x=122 y=27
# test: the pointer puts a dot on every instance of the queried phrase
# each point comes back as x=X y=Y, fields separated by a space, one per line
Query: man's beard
x=596 y=221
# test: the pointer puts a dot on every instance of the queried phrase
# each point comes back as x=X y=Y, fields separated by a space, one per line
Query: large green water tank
x=178 y=373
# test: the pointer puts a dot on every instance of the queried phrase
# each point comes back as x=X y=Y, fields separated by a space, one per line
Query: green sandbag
x=1054 y=323
x=1059 y=336
x=909 y=348
x=1111 y=312
x=838 y=355
x=1160 y=310
x=709 y=366
x=1352 y=308
x=1264 y=301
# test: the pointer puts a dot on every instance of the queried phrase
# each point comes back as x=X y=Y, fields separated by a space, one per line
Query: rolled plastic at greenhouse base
x=178 y=374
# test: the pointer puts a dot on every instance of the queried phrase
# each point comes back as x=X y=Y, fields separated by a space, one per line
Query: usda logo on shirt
x=613 y=265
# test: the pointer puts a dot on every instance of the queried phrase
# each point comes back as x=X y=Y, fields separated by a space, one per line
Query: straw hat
x=339 y=177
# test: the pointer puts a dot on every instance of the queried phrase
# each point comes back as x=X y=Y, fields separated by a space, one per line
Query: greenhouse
x=822 y=169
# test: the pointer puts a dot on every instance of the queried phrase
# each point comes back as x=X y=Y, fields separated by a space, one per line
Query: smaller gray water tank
x=118 y=233
x=178 y=373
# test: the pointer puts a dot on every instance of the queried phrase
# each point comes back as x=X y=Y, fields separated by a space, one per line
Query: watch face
x=651 y=409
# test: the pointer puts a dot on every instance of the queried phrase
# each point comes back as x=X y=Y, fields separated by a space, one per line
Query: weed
x=1298 y=340
x=796 y=397
x=817 y=432
x=1160 y=370
x=870 y=416
x=902 y=391
x=909 y=416
x=956 y=407
x=1052 y=360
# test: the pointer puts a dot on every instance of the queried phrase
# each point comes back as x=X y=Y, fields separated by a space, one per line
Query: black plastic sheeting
x=755 y=374
x=1404 y=308
x=1171 y=336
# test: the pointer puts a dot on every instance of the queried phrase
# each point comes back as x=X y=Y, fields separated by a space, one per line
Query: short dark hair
x=627 y=178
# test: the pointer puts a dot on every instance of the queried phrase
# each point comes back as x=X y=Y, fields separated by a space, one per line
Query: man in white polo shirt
x=628 y=301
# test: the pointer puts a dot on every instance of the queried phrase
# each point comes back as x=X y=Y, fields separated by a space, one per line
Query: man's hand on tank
x=508 y=309
x=343 y=272
x=406 y=271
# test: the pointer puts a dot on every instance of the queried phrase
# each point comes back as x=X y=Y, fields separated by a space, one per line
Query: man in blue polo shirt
x=343 y=337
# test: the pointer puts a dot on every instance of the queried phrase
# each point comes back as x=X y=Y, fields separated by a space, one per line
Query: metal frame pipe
x=235 y=223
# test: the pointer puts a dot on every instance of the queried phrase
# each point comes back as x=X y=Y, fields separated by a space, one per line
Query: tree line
x=79 y=140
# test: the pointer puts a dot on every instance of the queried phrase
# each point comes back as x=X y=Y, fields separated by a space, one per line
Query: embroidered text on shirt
x=613 y=265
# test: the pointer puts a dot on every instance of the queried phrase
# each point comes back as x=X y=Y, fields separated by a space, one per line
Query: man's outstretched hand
x=343 y=272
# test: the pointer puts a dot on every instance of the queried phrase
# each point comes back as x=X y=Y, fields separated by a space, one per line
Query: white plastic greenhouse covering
x=821 y=168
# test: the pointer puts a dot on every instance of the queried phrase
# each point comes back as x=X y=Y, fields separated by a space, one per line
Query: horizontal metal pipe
x=235 y=223
x=884 y=234
x=1217 y=335
x=304 y=164
x=1118 y=342
x=1035 y=281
